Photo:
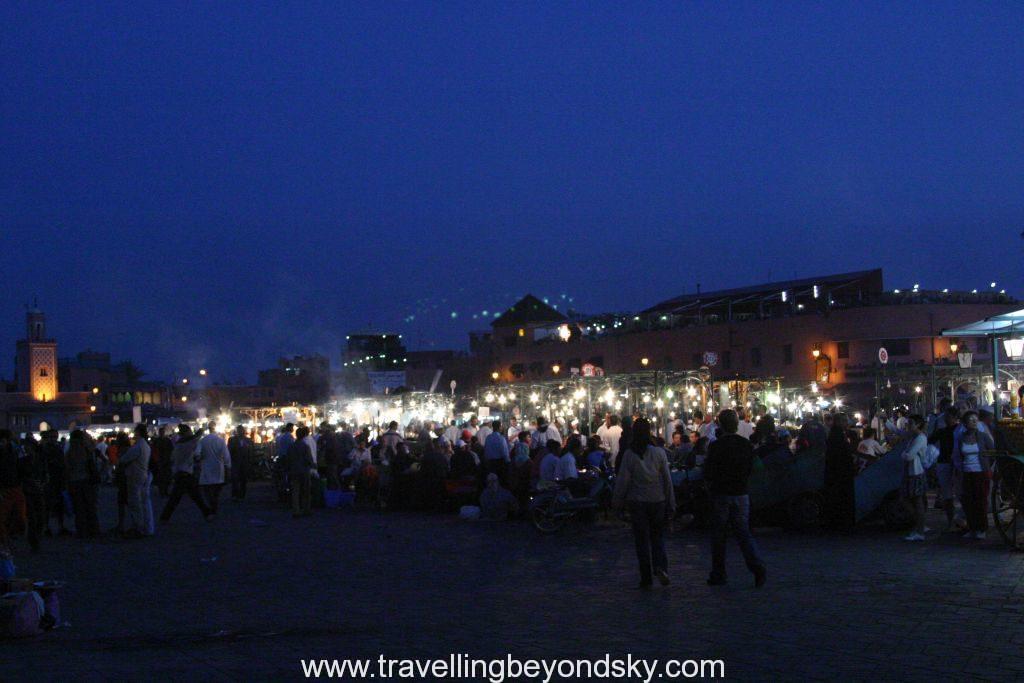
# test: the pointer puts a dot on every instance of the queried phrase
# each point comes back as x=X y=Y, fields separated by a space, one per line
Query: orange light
x=92 y=409
x=816 y=352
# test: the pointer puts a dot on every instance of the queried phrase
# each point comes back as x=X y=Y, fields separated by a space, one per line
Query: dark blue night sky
x=218 y=183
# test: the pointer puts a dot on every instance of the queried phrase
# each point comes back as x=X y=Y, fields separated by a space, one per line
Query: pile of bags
x=27 y=608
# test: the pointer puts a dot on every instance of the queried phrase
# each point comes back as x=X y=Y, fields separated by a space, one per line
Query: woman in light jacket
x=974 y=470
x=645 y=483
x=915 y=483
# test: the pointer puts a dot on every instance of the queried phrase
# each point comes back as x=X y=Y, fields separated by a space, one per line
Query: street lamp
x=645 y=361
x=953 y=346
x=555 y=368
x=202 y=372
x=495 y=375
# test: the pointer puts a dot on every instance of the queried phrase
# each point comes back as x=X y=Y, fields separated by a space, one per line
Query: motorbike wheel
x=897 y=513
x=545 y=523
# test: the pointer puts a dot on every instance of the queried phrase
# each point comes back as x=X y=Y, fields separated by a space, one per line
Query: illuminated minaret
x=37 y=359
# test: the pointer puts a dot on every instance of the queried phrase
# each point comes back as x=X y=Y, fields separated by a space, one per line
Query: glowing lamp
x=953 y=346
x=645 y=361
x=556 y=368
x=1014 y=347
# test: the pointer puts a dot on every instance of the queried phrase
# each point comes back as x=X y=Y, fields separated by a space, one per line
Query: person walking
x=183 y=462
x=974 y=469
x=83 y=478
x=214 y=463
x=300 y=473
x=645 y=484
x=727 y=471
x=135 y=464
x=163 y=449
x=241 y=454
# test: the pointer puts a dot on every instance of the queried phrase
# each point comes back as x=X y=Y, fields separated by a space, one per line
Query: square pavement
x=246 y=596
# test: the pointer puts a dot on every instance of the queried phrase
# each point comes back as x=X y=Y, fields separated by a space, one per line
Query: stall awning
x=1003 y=325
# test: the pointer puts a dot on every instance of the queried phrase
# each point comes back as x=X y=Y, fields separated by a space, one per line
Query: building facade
x=827 y=330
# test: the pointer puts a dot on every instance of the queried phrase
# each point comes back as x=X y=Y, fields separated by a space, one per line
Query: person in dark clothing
x=57 y=483
x=727 y=471
x=242 y=451
x=433 y=472
x=944 y=438
x=83 y=479
x=34 y=477
x=162 y=448
x=327 y=453
x=463 y=464
x=345 y=443
x=813 y=435
x=121 y=482
x=840 y=470
x=300 y=473
x=12 y=501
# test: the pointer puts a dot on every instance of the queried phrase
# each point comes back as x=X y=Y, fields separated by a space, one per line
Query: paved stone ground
x=866 y=606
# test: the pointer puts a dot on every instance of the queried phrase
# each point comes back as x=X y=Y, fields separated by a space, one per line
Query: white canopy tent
x=1005 y=327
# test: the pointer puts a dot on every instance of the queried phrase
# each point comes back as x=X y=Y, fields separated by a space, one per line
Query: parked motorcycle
x=552 y=507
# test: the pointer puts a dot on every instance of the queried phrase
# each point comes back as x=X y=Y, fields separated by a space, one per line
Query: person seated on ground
x=477 y=449
x=567 y=460
x=359 y=458
x=497 y=502
x=869 y=450
x=765 y=426
x=548 y=473
x=521 y=449
x=771 y=450
x=596 y=458
x=700 y=451
x=463 y=464
x=433 y=471
x=681 y=452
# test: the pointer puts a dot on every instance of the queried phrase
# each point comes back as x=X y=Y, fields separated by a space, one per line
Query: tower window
x=43 y=372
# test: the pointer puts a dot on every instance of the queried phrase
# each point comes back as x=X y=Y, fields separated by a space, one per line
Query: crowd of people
x=47 y=482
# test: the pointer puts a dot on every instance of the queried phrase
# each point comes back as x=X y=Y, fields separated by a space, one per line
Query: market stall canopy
x=1004 y=324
